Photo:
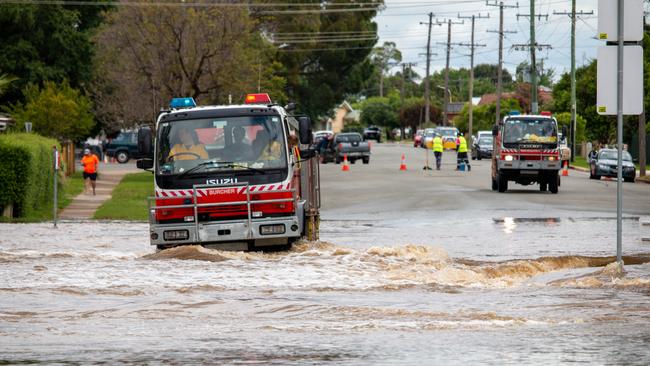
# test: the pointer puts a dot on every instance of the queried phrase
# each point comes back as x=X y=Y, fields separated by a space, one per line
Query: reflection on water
x=509 y=225
x=103 y=294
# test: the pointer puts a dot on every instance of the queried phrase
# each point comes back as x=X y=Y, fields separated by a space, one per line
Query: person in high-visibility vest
x=437 y=150
x=462 y=153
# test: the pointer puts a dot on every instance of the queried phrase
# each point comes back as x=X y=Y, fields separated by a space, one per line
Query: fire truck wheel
x=553 y=184
x=352 y=161
x=502 y=183
x=366 y=160
x=337 y=160
x=543 y=186
x=495 y=185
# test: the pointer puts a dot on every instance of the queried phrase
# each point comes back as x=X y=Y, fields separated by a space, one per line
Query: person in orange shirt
x=90 y=162
x=189 y=148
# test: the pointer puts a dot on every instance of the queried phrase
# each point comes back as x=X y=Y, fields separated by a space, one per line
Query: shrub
x=26 y=174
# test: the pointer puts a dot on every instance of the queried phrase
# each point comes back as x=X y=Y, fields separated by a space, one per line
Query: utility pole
x=573 y=14
x=405 y=66
x=427 y=87
x=500 y=67
x=445 y=119
x=533 y=62
x=472 y=46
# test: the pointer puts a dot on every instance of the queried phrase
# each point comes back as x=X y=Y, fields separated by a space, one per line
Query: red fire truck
x=526 y=151
x=235 y=177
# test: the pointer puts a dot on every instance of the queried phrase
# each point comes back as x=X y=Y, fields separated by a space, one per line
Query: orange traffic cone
x=402 y=166
x=346 y=165
x=565 y=170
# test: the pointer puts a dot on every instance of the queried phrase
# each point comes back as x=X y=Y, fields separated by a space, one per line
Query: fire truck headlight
x=508 y=158
x=272 y=229
x=188 y=218
x=176 y=235
x=551 y=158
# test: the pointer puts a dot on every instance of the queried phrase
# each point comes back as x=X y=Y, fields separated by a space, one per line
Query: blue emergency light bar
x=514 y=113
x=178 y=103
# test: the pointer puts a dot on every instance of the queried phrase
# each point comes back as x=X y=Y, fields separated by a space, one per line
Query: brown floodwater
x=497 y=290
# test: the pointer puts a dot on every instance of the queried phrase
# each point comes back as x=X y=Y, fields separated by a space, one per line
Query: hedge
x=26 y=174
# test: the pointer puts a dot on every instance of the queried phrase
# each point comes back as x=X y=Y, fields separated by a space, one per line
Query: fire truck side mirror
x=564 y=132
x=495 y=130
x=145 y=142
x=304 y=126
x=290 y=107
x=145 y=164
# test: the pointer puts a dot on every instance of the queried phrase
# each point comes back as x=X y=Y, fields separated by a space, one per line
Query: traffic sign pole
x=619 y=137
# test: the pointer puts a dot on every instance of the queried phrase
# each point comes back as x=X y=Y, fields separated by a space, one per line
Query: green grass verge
x=72 y=187
x=129 y=199
x=580 y=162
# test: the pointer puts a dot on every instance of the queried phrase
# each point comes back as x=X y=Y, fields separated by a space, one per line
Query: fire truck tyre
x=543 y=186
x=122 y=157
x=495 y=185
x=629 y=180
x=366 y=160
x=337 y=160
x=352 y=161
x=553 y=184
x=478 y=156
x=503 y=183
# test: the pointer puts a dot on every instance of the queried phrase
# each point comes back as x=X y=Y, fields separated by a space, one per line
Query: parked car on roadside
x=449 y=135
x=372 y=133
x=427 y=138
x=350 y=144
x=605 y=164
x=124 y=147
x=482 y=148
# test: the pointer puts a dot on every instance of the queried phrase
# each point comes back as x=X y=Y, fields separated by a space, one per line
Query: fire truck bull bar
x=197 y=226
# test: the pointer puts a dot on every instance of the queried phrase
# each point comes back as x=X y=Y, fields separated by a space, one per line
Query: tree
x=483 y=115
x=46 y=42
x=320 y=73
x=151 y=54
x=378 y=111
x=411 y=114
x=55 y=110
x=384 y=58
x=5 y=80
x=545 y=76
x=564 y=119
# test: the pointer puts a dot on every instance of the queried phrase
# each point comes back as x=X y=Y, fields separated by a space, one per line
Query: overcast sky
x=400 y=23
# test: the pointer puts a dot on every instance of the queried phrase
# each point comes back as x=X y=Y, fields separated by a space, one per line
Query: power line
x=572 y=15
x=501 y=32
x=472 y=45
x=445 y=117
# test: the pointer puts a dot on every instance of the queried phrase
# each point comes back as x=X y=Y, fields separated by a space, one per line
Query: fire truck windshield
x=527 y=130
x=221 y=144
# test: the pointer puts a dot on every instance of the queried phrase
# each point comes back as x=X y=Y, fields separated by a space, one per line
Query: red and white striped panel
x=529 y=152
x=204 y=192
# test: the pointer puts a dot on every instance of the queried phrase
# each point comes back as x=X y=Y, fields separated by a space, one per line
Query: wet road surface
x=524 y=279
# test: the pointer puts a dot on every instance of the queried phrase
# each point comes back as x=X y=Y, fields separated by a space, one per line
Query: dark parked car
x=482 y=148
x=350 y=144
x=123 y=147
x=372 y=133
x=604 y=164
